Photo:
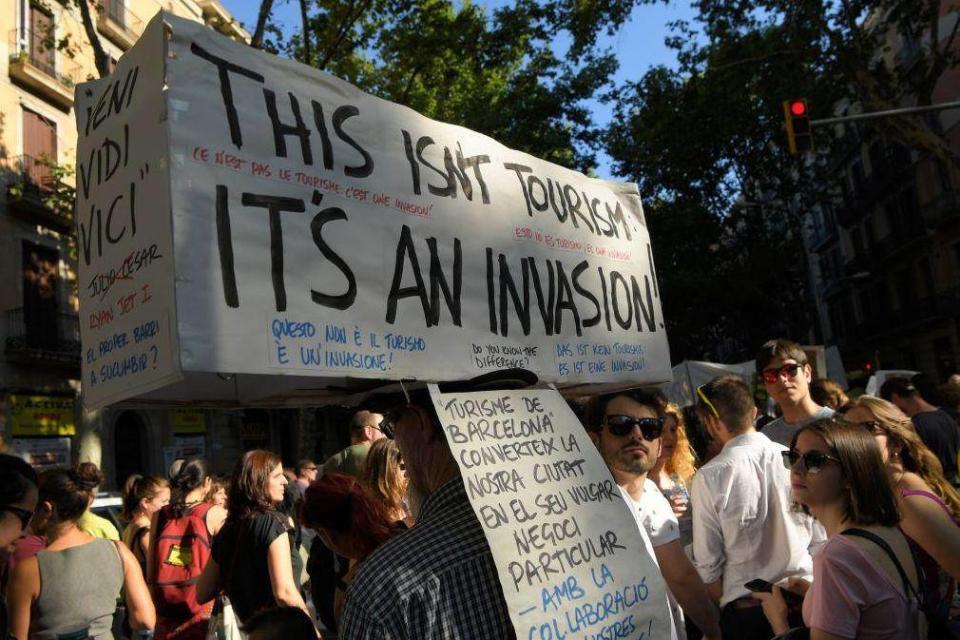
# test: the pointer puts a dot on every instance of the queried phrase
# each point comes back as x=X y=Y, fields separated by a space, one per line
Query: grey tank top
x=78 y=590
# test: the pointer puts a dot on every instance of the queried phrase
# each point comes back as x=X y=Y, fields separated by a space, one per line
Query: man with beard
x=744 y=524
x=786 y=375
x=626 y=427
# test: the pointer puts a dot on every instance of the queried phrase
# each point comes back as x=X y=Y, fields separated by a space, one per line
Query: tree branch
x=306 y=31
x=100 y=57
x=265 y=7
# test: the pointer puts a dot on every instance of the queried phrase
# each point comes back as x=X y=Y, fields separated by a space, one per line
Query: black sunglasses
x=790 y=370
x=813 y=461
x=620 y=426
x=25 y=515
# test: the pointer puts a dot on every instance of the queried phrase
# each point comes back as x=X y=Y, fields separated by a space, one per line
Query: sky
x=638 y=45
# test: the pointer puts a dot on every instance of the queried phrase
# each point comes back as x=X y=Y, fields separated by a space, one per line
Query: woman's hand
x=798 y=585
x=775 y=608
x=679 y=504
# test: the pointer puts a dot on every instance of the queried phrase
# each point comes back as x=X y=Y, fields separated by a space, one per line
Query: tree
x=495 y=72
x=101 y=58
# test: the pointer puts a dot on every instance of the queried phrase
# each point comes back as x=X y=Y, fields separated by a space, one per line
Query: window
x=42 y=35
x=39 y=142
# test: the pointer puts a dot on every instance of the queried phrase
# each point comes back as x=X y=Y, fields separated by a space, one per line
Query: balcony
x=52 y=339
x=42 y=71
x=118 y=24
x=940 y=210
x=217 y=16
x=32 y=192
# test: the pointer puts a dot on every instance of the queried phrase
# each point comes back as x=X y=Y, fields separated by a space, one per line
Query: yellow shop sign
x=41 y=416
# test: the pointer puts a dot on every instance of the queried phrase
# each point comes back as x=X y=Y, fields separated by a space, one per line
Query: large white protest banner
x=571 y=559
x=295 y=234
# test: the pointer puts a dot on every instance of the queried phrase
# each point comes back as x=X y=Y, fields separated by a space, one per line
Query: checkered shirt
x=435 y=581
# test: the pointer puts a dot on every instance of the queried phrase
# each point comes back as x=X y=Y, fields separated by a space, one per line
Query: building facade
x=885 y=255
x=40 y=411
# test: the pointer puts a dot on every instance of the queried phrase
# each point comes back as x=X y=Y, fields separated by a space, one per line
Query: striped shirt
x=437 y=580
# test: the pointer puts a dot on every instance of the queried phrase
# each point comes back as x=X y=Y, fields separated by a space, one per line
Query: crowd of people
x=838 y=518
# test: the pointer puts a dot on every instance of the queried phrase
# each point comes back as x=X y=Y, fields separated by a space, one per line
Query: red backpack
x=183 y=549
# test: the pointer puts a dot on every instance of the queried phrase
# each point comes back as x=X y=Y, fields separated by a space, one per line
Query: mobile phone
x=763 y=586
x=759 y=585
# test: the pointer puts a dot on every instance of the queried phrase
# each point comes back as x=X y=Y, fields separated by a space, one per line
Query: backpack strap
x=880 y=542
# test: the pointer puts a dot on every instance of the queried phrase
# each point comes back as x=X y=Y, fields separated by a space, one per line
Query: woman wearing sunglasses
x=929 y=505
x=70 y=602
x=865 y=579
x=18 y=499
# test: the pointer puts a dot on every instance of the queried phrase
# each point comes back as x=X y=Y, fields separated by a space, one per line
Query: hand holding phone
x=763 y=586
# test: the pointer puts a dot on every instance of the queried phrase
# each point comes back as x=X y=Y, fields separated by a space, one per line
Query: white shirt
x=635 y=512
x=781 y=431
x=744 y=523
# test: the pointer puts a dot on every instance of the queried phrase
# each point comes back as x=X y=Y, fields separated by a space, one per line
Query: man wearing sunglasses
x=744 y=525
x=626 y=427
x=782 y=366
x=364 y=431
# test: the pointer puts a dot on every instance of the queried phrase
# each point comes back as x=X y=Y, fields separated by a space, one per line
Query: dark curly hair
x=192 y=474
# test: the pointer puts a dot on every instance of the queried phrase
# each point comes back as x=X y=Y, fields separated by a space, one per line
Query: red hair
x=342 y=504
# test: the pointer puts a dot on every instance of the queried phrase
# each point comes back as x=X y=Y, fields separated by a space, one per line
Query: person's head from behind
x=782 y=366
x=193 y=477
x=92 y=476
x=365 y=427
x=676 y=453
x=280 y=623
x=18 y=497
x=900 y=446
x=903 y=393
x=725 y=405
x=257 y=484
x=307 y=470
x=384 y=474
x=828 y=393
x=627 y=426
x=836 y=470
x=346 y=516
x=63 y=496
x=144 y=495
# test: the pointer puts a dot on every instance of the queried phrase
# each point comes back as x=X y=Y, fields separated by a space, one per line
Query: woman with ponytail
x=929 y=505
x=142 y=497
x=349 y=520
x=70 y=601
x=90 y=522
x=179 y=551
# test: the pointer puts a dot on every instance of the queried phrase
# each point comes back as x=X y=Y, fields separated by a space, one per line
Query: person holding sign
x=437 y=580
x=627 y=428
x=745 y=528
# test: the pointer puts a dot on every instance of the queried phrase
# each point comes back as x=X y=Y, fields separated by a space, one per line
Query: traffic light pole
x=885 y=114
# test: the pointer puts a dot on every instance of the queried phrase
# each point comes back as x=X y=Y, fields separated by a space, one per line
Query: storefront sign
x=42 y=415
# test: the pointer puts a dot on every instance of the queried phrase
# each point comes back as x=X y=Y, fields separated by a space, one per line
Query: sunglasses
x=620 y=426
x=813 y=461
x=703 y=396
x=24 y=515
x=770 y=376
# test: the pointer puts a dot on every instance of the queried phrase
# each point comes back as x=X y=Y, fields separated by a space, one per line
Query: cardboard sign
x=570 y=556
x=43 y=453
x=303 y=233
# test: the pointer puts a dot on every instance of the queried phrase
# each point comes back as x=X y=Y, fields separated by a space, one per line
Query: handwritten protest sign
x=310 y=234
x=570 y=556
x=126 y=276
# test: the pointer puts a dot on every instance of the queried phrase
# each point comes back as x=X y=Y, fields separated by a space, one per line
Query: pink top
x=852 y=597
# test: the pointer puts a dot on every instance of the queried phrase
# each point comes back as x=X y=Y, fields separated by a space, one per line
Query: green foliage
x=497 y=73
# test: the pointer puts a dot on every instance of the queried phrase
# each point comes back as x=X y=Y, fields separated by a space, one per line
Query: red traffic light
x=798 y=108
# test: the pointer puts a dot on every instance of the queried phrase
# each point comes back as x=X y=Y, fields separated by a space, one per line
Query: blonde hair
x=828 y=393
x=382 y=474
x=683 y=461
x=916 y=457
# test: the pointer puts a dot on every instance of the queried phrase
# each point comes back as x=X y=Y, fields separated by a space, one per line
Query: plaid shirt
x=437 y=580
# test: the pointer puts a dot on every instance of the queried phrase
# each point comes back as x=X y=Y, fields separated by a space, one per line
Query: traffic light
x=797 y=120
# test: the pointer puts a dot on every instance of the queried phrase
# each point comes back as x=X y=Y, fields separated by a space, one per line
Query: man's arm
x=709 y=557
x=687 y=587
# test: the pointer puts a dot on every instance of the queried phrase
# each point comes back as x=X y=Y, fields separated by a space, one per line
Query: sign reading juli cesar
x=248 y=225
x=570 y=556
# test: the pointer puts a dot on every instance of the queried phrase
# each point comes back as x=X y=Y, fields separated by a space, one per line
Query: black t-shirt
x=240 y=550
x=942 y=436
